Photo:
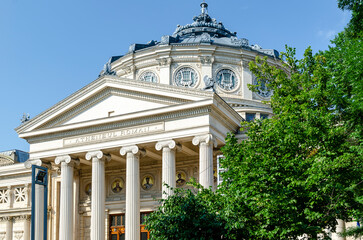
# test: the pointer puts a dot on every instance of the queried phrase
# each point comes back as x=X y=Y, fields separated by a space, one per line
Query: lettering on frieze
x=114 y=135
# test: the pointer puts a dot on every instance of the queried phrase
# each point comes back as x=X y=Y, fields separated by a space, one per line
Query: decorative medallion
x=147 y=182
x=180 y=179
x=226 y=79
x=88 y=189
x=148 y=76
x=262 y=90
x=186 y=77
x=117 y=185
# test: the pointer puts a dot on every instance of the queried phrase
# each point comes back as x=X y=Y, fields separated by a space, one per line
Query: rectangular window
x=219 y=169
x=263 y=116
x=250 y=117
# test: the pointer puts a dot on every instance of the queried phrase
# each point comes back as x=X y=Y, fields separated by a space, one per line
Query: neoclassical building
x=158 y=114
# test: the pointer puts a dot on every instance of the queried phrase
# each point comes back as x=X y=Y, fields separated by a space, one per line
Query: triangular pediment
x=109 y=97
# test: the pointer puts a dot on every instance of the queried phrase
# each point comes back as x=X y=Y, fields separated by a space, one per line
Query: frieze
x=161 y=117
x=114 y=135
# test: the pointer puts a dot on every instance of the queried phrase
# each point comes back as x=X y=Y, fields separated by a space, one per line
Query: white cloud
x=329 y=34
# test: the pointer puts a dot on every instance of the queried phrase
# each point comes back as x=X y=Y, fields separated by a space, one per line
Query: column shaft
x=98 y=200
x=27 y=228
x=39 y=211
x=75 y=206
x=9 y=228
x=206 y=143
x=168 y=171
x=206 y=164
x=132 y=230
x=66 y=202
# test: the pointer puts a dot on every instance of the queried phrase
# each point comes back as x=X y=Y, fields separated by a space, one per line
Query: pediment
x=108 y=97
x=111 y=102
x=6 y=160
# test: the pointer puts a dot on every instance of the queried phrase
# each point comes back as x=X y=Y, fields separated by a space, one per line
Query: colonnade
x=133 y=154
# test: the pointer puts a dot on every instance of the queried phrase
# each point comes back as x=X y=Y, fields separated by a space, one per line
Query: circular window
x=186 y=77
x=148 y=77
x=226 y=79
x=262 y=89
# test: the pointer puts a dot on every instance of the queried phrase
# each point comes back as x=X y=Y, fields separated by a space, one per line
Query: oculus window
x=262 y=89
x=186 y=77
x=226 y=79
x=148 y=77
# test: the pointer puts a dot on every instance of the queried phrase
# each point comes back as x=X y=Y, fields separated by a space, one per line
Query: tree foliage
x=187 y=215
x=298 y=171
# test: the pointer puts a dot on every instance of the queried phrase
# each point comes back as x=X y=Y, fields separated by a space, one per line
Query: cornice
x=122 y=124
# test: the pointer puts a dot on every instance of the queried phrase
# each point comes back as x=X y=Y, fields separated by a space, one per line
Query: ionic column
x=66 y=202
x=168 y=166
x=206 y=144
x=76 y=184
x=39 y=203
x=132 y=224
x=9 y=228
x=98 y=197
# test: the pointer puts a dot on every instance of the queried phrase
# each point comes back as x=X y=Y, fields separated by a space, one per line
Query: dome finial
x=204 y=6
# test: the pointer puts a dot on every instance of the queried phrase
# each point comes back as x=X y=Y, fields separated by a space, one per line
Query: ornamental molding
x=29 y=163
x=99 y=155
x=227 y=60
x=67 y=160
x=128 y=69
x=146 y=63
x=207 y=138
x=206 y=60
x=6 y=160
x=134 y=149
x=122 y=124
x=165 y=61
x=171 y=144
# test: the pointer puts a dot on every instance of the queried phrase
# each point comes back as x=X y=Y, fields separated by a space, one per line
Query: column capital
x=99 y=155
x=30 y=162
x=67 y=159
x=38 y=162
x=207 y=138
x=167 y=143
x=8 y=218
x=134 y=149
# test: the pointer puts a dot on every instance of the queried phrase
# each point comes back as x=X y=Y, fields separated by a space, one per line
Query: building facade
x=158 y=114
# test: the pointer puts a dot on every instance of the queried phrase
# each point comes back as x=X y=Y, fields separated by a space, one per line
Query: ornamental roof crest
x=203 y=24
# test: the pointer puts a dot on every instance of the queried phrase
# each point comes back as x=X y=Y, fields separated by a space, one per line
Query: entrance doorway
x=117 y=228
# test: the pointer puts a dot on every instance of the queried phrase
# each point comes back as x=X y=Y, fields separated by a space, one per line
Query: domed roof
x=204 y=30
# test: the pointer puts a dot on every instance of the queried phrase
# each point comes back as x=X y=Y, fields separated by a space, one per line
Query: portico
x=123 y=160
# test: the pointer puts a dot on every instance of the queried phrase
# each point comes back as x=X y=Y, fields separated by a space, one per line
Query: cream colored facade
x=102 y=143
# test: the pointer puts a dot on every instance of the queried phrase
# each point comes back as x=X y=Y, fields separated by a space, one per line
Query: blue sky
x=51 y=48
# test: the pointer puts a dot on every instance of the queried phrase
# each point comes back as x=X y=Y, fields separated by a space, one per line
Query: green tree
x=298 y=171
x=186 y=215
x=355 y=26
x=302 y=169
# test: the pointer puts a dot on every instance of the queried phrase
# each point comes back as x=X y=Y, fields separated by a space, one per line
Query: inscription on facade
x=114 y=135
